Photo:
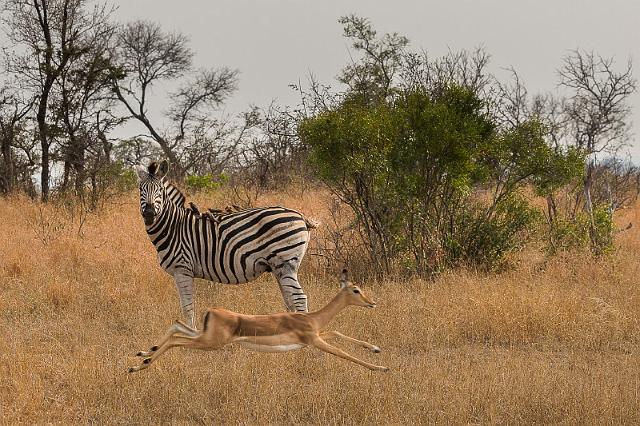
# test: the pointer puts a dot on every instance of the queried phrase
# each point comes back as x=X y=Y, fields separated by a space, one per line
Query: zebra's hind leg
x=286 y=272
x=184 y=284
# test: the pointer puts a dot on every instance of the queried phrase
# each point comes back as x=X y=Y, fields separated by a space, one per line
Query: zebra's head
x=152 y=190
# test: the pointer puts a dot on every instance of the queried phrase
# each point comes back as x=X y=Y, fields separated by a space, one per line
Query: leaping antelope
x=280 y=332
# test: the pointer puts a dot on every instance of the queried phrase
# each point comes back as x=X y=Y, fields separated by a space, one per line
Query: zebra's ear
x=344 y=278
x=152 y=169
x=163 y=169
x=141 y=172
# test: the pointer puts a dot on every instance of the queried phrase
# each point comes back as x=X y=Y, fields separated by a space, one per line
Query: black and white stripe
x=234 y=248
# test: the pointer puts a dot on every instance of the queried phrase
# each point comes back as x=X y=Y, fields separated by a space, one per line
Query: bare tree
x=149 y=55
x=464 y=68
x=13 y=113
x=373 y=75
x=48 y=34
x=275 y=152
x=597 y=109
x=214 y=145
x=598 y=103
x=134 y=151
x=82 y=102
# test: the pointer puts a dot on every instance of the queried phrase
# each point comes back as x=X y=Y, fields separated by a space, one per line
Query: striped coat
x=232 y=248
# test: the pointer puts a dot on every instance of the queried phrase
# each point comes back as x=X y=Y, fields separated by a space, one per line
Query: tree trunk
x=80 y=173
x=588 y=206
x=65 y=176
x=44 y=174
x=43 y=134
x=7 y=157
x=106 y=146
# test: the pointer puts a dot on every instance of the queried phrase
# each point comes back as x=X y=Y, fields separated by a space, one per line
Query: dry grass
x=553 y=341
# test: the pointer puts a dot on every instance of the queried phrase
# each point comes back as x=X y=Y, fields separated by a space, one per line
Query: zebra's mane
x=174 y=194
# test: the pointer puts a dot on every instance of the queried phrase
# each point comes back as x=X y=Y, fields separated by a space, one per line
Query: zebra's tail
x=311 y=224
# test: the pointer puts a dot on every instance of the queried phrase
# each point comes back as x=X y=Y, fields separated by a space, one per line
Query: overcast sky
x=277 y=42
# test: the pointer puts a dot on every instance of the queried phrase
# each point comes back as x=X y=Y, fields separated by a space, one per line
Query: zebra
x=234 y=248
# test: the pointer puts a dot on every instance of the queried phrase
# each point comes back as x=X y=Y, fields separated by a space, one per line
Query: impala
x=280 y=332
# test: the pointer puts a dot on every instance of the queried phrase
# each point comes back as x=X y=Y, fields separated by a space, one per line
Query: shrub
x=430 y=177
x=575 y=233
x=206 y=182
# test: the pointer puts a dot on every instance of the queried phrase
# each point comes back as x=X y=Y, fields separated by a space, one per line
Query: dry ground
x=546 y=342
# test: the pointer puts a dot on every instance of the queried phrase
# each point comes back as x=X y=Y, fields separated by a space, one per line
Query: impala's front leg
x=337 y=335
x=324 y=346
x=184 y=284
x=176 y=327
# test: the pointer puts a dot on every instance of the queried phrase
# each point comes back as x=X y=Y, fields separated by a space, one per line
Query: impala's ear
x=344 y=278
x=141 y=172
x=163 y=169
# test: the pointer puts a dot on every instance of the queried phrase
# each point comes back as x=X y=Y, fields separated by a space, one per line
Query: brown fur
x=279 y=332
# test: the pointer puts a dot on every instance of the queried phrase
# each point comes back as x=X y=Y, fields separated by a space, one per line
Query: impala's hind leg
x=176 y=327
x=213 y=336
x=286 y=272
x=172 y=342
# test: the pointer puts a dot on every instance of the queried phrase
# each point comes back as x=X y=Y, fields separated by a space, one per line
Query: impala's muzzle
x=369 y=303
x=149 y=215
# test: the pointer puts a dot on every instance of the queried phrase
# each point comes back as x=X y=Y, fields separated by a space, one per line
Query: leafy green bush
x=110 y=180
x=431 y=178
x=575 y=234
x=206 y=182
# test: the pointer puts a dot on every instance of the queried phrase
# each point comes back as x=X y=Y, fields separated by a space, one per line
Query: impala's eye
x=356 y=291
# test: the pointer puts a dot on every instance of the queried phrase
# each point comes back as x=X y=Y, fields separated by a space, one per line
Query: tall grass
x=548 y=341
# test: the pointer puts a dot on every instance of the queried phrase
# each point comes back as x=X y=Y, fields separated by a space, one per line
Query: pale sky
x=277 y=42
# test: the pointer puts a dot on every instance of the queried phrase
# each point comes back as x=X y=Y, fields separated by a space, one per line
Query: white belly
x=272 y=348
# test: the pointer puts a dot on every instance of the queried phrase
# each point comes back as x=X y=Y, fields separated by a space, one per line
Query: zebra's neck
x=174 y=218
x=173 y=215
x=173 y=194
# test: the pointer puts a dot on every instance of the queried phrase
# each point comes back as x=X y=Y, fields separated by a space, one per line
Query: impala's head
x=354 y=294
x=152 y=191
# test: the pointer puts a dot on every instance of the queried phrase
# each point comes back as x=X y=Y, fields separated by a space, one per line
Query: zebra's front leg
x=184 y=284
x=286 y=273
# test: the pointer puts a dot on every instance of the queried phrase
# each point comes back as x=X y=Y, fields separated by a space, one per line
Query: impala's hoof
x=140 y=353
x=131 y=370
x=376 y=350
x=146 y=361
x=384 y=369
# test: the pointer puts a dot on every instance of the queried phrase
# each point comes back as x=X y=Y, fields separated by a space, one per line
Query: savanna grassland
x=549 y=340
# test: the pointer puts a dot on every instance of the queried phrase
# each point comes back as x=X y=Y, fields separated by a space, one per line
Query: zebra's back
x=253 y=241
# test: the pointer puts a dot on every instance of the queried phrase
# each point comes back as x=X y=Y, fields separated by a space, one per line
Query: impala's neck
x=333 y=308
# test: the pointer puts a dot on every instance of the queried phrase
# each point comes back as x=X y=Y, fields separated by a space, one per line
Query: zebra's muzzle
x=148 y=215
x=148 y=219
